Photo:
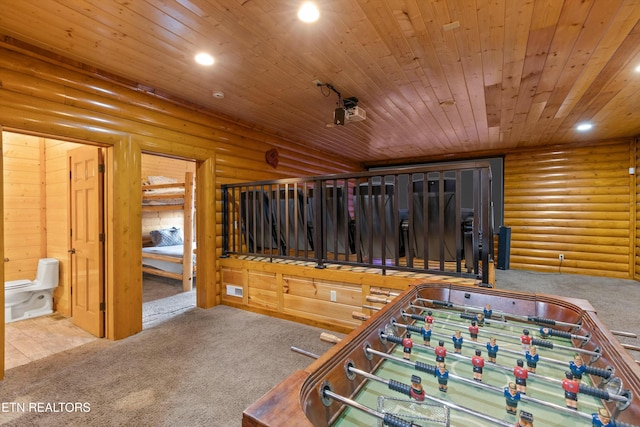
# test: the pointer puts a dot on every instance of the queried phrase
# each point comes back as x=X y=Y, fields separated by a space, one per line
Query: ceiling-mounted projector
x=343 y=116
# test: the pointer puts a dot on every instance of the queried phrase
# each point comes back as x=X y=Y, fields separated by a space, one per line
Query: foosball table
x=443 y=354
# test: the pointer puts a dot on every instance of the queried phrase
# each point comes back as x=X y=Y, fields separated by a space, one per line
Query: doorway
x=168 y=237
x=37 y=223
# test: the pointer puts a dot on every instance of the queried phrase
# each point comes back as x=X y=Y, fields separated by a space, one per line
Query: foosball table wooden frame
x=298 y=400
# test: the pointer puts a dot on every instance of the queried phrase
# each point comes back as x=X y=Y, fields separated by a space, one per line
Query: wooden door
x=87 y=239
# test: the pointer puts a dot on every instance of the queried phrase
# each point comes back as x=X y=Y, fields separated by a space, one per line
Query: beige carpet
x=201 y=368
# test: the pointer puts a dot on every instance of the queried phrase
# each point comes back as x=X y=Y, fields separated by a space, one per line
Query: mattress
x=174 y=251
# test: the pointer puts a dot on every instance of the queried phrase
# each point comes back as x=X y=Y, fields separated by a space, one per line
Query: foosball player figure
x=457 y=342
x=571 y=388
x=429 y=317
x=473 y=330
x=492 y=349
x=577 y=367
x=426 y=334
x=478 y=364
x=512 y=397
x=544 y=332
x=525 y=339
x=480 y=319
x=443 y=377
x=416 y=391
x=602 y=419
x=525 y=419
x=407 y=344
x=487 y=311
x=440 y=351
x=521 y=375
x=533 y=358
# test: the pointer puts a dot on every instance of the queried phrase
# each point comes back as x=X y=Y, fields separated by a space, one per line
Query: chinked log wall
x=577 y=201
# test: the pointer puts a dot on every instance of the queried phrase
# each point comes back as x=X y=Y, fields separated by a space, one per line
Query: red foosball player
x=602 y=419
x=525 y=339
x=478 y=364
x=443 y=377
x=512 y=397
x=416 y=391
x=571 y=388
x=457 y=342
x=521 y=375
x=440 y=351
x=407 y=344
x=473 y=331
x=429 y=317
x=526 y=419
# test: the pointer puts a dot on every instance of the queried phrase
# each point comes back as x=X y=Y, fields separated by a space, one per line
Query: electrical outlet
x=334 y=296
x=561 y=257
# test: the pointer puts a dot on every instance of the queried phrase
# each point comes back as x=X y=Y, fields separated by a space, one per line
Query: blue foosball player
x=602 y=418
x=512 y=397
x=443 y=377
x=577 y=367
x=457 y=342
x=492 y=349
x=426 y=334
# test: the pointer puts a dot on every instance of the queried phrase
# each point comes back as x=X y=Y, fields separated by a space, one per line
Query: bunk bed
x=170 y=252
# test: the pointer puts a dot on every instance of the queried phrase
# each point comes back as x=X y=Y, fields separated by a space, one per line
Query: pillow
x=166 y=237
x=153 y=180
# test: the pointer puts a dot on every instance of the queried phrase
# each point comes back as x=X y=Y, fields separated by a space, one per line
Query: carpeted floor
x=196 y=367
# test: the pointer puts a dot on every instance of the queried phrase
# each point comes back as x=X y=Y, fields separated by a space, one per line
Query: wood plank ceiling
x=435 y=77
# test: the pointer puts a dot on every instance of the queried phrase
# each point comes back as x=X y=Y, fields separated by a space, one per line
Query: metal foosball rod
x=530 y=318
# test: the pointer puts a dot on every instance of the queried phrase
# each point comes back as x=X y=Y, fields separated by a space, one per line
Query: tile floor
x=33 y=339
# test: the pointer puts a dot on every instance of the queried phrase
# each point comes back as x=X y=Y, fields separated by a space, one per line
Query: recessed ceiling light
x=583 y=127
x=308 y=12
x=218 y=94
x=204 y=59
x=637 y=69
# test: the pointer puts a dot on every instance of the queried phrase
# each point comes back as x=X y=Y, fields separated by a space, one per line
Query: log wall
x=575 y=201
x=45 y=97
x=24 y=217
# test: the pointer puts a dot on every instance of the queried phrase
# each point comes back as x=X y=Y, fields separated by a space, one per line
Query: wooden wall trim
x=124 y=293
x=632 y=207
x=207 y=282
x=2 y=324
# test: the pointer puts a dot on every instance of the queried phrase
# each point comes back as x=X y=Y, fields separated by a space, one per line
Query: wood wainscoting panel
x=572 y=202
x=310 y=297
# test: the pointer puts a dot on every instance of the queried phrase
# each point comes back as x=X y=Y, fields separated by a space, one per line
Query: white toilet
x=24 y=299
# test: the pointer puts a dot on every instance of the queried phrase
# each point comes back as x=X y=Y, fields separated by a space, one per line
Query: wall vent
x=234 y=291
